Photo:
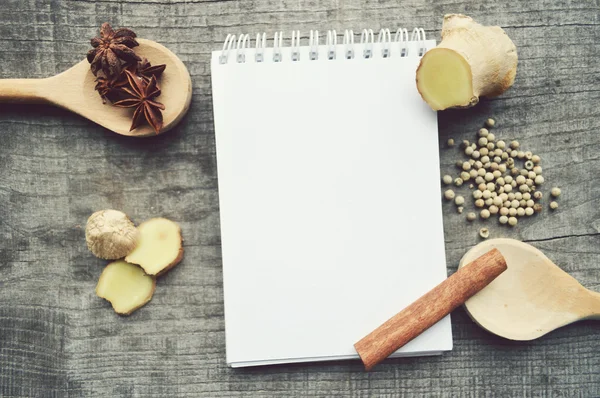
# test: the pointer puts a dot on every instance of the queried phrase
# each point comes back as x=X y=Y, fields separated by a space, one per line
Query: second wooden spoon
x=532 y=297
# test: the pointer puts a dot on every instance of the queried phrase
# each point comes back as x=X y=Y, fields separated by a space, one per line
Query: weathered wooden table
x=58 y=339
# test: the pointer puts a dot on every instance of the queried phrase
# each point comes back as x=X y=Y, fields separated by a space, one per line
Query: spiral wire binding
x=349 y=43
x=240 y=43
x=313 y=43
x=261 y=43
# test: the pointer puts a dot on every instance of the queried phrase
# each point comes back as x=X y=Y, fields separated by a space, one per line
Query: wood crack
x=561 y=237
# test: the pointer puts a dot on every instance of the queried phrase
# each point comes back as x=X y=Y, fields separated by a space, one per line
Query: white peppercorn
x=493 y=209
x=512 y=221
x=529 y=182
x=503 y=219
x=529 y=211
x=458 y=164
x=555 y=192
x=483 y=132
x=531 y=175
x=491 y=137
x=450 y=142
x=475 y=154
x=478 y=164
x=553 y=205
x=539 y=180
x=469 y=151
x=504 y=156
x=523 y=203
x=537 y=208
x=482 y=187
x=507 y=187
x=483 y=152
x=477 y=194
x=537 y=170
x=465 y=144
x=489 y=176
x=494 y=166
x=486 y=194
x=479 y=180
x=481 y=172
x=497 y=159
x=513 y=184
x=514 y=145
x=518 y=195
x=508 y=179
x=447 y=179
x=482 y=141
x=473 y=173
x=503 y=211
x=501 y=144
x=520 y=180
x=498 y=151
x=497 y=173
x=459 y=200
x=449 y=194
x=458 y=181
x=521 y=154
x=530 y=203
x=524 y=188
x=485 y=213
x=504 y=197
x=466 y=166
x=500 y=189
x=489 y=202
x=490 y=122
x=536 y=159
x=479 y=203
x=528 y=155
x=460 y=209
x=471 y=216
x=491 y=187
x=526 y=196
x=520 y=212
x=512 y=212
x=514 y=171
x=487 y=165
x=529 y=165
x=485 y=159
x=538 y=195
x=514 y=204
x=511 y=196
x=524 y=172
x=498 y=201
x=501 y=181
x=514 y=153
x=490 y=145
x=484 y=233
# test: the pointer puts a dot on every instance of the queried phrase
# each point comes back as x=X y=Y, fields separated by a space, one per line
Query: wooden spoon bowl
x=74 y=90
x=531 y=298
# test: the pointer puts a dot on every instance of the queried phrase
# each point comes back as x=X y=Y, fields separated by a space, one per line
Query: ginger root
x=470 y=62
x=110 y=234
x=159 y=246
x=126 y=286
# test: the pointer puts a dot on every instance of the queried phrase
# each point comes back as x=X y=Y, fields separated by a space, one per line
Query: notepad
x=328 y=174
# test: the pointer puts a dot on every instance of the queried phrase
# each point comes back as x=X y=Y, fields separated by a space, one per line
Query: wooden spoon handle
x=430 y=308
x=22 y=91
x=594 y=305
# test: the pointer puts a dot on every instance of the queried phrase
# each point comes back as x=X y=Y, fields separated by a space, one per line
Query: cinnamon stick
x=430 y=308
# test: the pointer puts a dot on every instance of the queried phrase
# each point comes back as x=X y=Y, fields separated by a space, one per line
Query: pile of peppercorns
x=505 y=180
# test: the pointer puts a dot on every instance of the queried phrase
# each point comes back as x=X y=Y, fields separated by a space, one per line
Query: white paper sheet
x=329 y=192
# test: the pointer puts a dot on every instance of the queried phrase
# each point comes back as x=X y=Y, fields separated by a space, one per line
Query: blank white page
x=329 y=194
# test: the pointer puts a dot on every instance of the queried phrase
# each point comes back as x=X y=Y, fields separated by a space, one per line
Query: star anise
x=146 y=71
x=112 y=47
x=111 y=88
x=143 y=96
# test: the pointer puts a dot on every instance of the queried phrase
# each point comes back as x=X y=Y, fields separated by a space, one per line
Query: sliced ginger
x=159 y=246
x=470 y=62
x=126 y=286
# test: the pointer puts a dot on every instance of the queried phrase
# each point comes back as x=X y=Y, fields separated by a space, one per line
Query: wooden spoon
x=74 y=90
x=531 y=298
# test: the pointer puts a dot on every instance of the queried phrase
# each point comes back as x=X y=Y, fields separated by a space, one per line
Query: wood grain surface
x=57 y=339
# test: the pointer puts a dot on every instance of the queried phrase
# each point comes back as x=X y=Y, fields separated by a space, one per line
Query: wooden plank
x=57 y=339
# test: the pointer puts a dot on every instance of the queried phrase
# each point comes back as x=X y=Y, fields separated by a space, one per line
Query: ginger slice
x=159 y=246
x=470 y=62
x=125 y=286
